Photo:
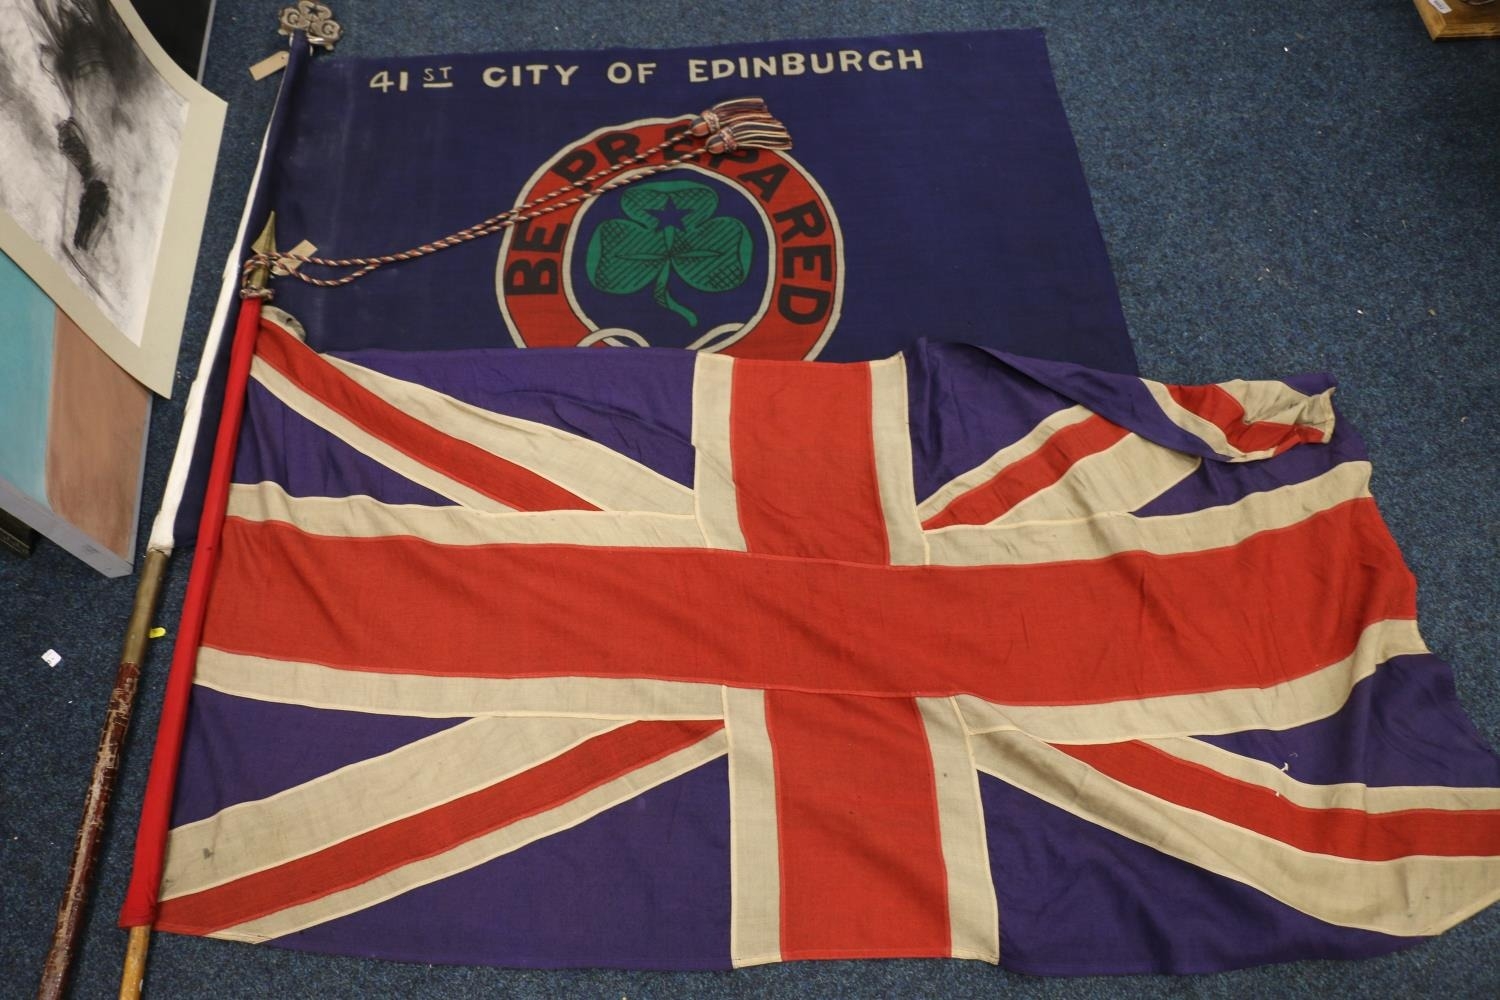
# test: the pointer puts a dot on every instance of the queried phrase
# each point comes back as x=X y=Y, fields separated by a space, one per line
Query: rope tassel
x=769 y=134
x=742 y=123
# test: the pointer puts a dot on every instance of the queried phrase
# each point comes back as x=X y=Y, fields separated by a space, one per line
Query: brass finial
x=263 y=251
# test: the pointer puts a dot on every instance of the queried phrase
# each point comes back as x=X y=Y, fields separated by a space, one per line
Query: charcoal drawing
x=91 y=133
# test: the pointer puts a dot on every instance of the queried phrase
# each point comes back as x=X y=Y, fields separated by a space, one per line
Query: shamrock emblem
x=669 y=228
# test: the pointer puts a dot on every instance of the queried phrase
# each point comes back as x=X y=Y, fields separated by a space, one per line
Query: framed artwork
x=110 y=149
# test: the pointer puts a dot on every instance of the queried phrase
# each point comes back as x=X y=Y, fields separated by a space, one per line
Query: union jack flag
x=654 y=659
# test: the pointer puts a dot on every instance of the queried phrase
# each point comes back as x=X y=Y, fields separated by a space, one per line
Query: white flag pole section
x=163 y=538
x=70 y=912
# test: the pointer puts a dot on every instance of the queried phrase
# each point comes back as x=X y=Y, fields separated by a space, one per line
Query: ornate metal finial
x=257 y=273
x=314 y=18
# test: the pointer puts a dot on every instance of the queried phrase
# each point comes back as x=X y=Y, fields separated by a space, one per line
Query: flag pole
x=179 y=682
x=70 y=915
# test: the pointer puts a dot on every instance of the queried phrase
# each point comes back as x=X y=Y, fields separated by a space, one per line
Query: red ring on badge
x=804 y=280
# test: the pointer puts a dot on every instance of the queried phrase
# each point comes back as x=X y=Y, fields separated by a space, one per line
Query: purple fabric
x=1403 y=725
x=1217 y=483
x=281 y=446
x=992 y=241
x=644 y=885
x=951 y=390
x=1125 y=400
x=1077 y=899
x=637 y=402
x=956 y=424
x=240 y=749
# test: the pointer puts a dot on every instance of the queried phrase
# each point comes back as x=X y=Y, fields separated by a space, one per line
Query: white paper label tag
x=52 y=658
x=1440 y=6
x=270 y=64
x=303 y=249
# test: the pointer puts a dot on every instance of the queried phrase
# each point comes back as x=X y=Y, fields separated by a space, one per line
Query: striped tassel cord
x=742 y=123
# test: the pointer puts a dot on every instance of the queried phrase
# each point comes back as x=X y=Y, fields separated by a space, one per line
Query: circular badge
x=740 y=253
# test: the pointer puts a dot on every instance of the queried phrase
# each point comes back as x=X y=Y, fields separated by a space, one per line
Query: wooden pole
x=101 y=784
x=133 y=978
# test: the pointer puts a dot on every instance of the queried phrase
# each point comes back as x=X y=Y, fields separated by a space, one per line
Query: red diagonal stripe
x=1274 y=607
x=1226 y=413
x=1029 y=475
x=426 y=834
x=1347 y=833
x=480 y=470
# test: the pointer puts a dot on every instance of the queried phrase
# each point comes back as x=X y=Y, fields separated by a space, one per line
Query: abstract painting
x=109 y=150
x=74 y=429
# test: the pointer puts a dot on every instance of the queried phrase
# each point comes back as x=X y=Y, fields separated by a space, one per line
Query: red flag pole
x=150 y=845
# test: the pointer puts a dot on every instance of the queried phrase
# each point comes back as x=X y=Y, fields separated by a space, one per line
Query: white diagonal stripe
x=1277 y=402
x=304 y=404
x=1009 y=455
x=253 y=836
x=1128 y=474
x=1434 y=893
x=477 y=851
x=1274 y=401
x=1344 y=795
x=587 y=469
x=1107 y=534
x=1314 y=696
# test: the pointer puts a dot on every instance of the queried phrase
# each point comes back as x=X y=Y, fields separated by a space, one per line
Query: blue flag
x=933 y=190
